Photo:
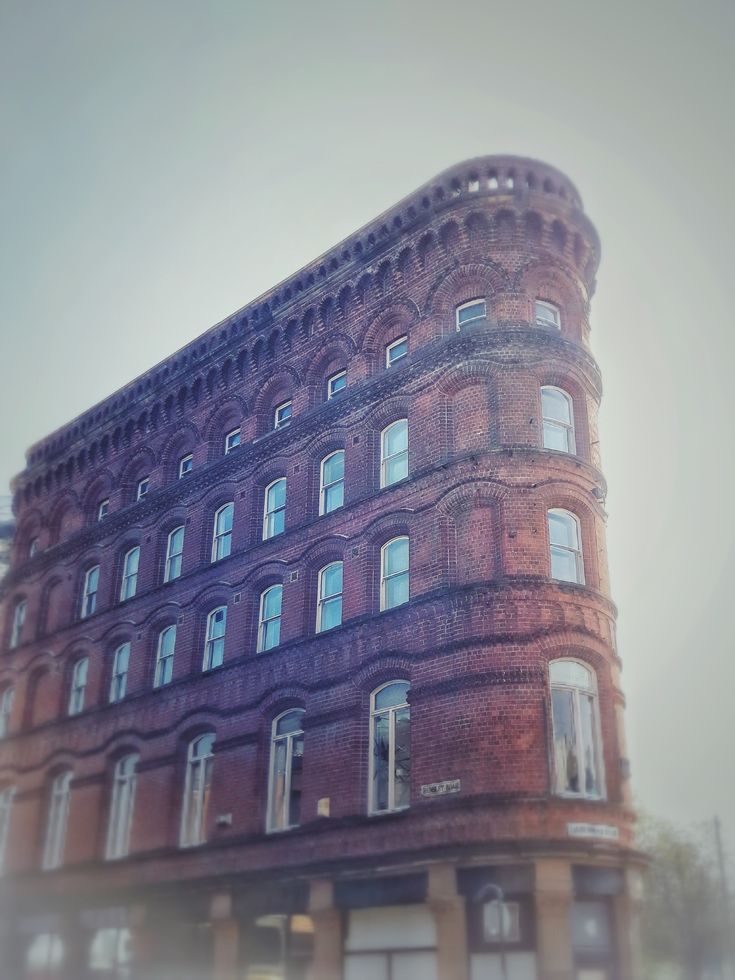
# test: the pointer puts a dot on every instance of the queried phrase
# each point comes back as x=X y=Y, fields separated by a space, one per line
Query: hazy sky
x=162 y=163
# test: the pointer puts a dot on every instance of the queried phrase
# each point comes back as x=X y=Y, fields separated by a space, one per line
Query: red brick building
x=309 y=658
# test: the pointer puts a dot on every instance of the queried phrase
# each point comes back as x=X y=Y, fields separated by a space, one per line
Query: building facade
x=309 y=660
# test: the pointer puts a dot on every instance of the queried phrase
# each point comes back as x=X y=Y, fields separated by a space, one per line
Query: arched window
x=336 y=384
x=58 y=813
x=214 y=643
x=577 y=755
x=174 y=553
x=45 y=956
x=565 y=543
x=232 y=441
x=6 y=807
x=394 y=582
x=329 y=597
x=222 y=535
x=284 y=785
x=394 y=453
x=475 y=309
x=130 y=574
x=78 y=686
x=6 y=708
x=332 y=482
x=121 y=808
x=269 y=619
x=186 y=465
x=557 y=413
x=546 y=314
x=390 y=748
x=165 y=656
x=19 y=618
x=274 y=513
x=119 y=677
x=396 y=350
x=282 y=415
x=197 y=789
x=89 y=591
x=110 y=952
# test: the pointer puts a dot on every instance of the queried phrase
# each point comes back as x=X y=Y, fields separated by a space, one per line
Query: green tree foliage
x=684 y=931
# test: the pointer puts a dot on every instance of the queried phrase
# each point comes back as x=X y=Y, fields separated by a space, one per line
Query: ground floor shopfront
x=548 y=918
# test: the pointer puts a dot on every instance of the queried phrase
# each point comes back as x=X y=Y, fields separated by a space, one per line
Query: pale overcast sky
x=164 y=162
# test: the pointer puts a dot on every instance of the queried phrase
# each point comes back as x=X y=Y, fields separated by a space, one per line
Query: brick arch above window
x=181 y=443
x=550 y=281
x=466 y=282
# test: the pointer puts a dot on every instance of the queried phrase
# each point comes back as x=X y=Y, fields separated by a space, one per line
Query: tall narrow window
x=396 y=351
x=558 y=419
x=174 y=554
x=222 y=536
x=546 y=314
x=214 y=643
x=287 y=757
x=232 y=441
x=565 y=547
x=332 y=482
x=390 y=748
x=394 y=453
x=78 y=686
x=577 y=755
x=197 y=788
x=143 y=487
x=119 y=678
x=282 y=415
x=335 y=384
x=89 y=591
x=269 y=618
x=274 y=515
x=33 y=548
x=130 y=574
x=19 y=618
x=329 y=598
x=186 y=465
x=121 y=808
x=165 y=656
x=475 y=309
x=6 y=709
x=103 y=509
x=394 y=584
x=58 y=813
x=6 y=807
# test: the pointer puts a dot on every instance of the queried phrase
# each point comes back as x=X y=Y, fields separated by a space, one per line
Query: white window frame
x=324 y=488
x=547 y=421
x=122 y=802
x=119 y=673
x=220 y=536
x=553 y=319
x=465 y=306
x=389 y=359
x=212 y=640
x=323 y=600
x=230 y=444
x=375 y=713
x=577 y=552
x=199 y=770
x=183 y=469
x=89 y=595
x=331 y=393
x=103 y=509
x=174 y=560
x=6 y=709
x=56 y=821
x=385 y=578
x=6 y=811
x=78 y=686
x=263 y=623
x=19 y=618
x=144 y=486
x=162 y=659
x=280 y=422
x=268 y=514
x=385 y=460
x=576 y=690
x=129 y=584
x=278 y=822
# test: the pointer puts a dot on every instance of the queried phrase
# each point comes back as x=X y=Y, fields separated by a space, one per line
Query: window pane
x=395 y=438
x=381 y=740
x=272 y=602
x=331 y=614
x=564 y=565
x=280 y=753
x=556 y=437
x=563 y=530
x=290 y=723
x=472 y=311
x=396 y=590
x=566 y=763
x=395 y=556
x=555 y=405
x=402 y=758
x=396 y=469
x=391 y=695
x=277 y=495
x=334 y=497
x=571 y=673
x=297 y=765
x=589 y=755
x=334 y=467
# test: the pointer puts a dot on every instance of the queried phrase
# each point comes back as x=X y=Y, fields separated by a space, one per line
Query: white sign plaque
x=443 y=788
x=602 y=831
